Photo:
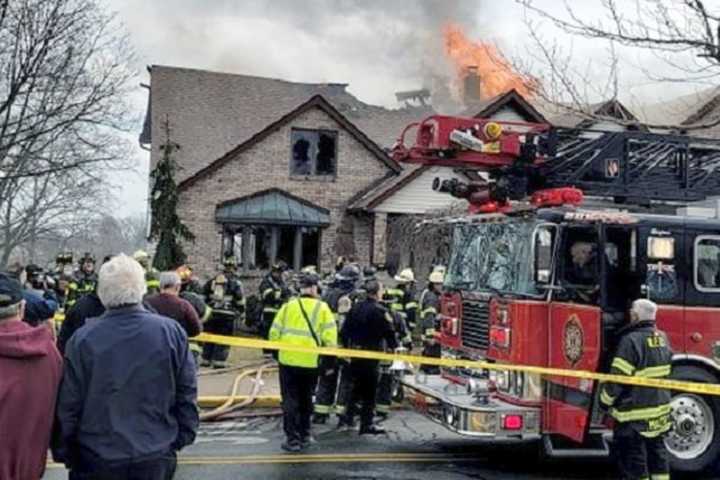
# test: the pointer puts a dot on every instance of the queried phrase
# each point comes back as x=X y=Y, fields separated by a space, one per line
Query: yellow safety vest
x=291 y=327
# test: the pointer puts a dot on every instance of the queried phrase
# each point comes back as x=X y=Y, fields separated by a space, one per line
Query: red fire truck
x=536 y=279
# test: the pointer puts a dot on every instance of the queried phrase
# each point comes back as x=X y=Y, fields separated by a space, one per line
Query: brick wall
x=266 y=165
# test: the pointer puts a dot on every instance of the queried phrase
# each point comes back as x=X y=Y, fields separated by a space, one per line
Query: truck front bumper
x=470 y=414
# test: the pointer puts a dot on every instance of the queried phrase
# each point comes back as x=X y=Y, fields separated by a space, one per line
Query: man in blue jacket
x=128 y=398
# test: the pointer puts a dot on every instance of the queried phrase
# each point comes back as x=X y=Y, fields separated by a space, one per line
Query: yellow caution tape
x=677 y=385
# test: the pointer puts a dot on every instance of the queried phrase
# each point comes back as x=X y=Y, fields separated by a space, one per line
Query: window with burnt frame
x=313 y=152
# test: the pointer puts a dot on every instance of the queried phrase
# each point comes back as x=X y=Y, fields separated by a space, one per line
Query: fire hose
x=227 y=406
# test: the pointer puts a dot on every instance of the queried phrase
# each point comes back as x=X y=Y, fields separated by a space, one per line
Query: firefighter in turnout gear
x=84 y=280
x=273 y=293
x=404 y=291
x=224 y=295
x=197 y=301
x=152 y=276
x=429 y=310
x=392 y=301
x=305 y=321
x=340 y=297
x=641 y=414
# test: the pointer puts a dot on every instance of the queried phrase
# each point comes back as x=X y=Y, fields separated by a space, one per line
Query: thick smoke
x=377 y=46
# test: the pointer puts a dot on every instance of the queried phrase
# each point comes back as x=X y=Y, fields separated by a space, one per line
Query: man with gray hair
x=128 y=398
x=641 y=414
x=169 y=304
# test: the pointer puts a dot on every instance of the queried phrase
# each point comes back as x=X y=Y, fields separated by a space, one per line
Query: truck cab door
x=574 y=343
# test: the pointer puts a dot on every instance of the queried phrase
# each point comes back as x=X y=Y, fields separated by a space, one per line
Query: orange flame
x=496 y=74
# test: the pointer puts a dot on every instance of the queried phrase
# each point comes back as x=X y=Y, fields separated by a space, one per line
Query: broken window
x=314 y=152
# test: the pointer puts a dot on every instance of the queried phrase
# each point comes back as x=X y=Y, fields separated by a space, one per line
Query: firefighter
x=84 y=280
x=152 y=276
x=641 y=414
x=369 y=326
x=429 y=309
x=339 y=297
x=188 y=293
x=407 y=303
x=391 y=300
x=273 y=293
x=224 y=295
x=305 y=321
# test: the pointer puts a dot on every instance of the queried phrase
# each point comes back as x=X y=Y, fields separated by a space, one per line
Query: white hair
x=644 y=309
x=169 y=279
x=121 y=281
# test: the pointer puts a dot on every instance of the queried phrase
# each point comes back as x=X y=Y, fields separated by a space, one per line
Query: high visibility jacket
x=81 y=285
x=643 y=351
x=290 y=326
x=273 y=294
x=152 y=280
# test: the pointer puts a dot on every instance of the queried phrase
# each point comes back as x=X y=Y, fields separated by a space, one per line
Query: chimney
x=471 y=85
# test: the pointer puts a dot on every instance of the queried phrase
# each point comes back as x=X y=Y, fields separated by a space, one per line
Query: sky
x=377 y=46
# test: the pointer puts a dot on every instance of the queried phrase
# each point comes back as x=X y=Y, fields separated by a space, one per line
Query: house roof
x=273 y=206
x=609 y=108
x=211 y=113
x=489 y=107
x=316 y=101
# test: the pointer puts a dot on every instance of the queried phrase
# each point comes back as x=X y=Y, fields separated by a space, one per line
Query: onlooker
x=38 y=309
x=169 y=303
x=30 y=368
x=128 y=396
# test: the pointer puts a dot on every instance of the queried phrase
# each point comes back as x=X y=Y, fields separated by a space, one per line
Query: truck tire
x=694 y=442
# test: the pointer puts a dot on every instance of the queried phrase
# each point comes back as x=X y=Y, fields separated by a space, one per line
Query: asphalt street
x=414 y=448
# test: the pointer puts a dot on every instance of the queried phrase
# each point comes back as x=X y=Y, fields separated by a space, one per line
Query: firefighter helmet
x=87 y=257
x=436 y=277
x=440 y=268
x=309 y=269
x=405 y=276
x=230 y=261
x=185 y=273
x=279 y=266
x=309 y=280
x=141 y=255
x=349 y=273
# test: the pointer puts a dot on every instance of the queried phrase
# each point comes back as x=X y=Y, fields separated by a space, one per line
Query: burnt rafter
x=632 y=166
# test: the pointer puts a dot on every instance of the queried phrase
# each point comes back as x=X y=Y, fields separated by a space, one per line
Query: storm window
x=313 y=152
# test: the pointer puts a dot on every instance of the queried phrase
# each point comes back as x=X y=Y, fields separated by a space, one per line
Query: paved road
x=413 y=449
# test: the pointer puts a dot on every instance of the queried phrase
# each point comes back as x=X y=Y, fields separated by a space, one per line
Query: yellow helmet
x=436 y=277
x=141 y=255
x=405 y=276
x=309 y=269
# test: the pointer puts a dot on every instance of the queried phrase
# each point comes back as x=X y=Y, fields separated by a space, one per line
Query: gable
x=418 y=197
x=316 y=103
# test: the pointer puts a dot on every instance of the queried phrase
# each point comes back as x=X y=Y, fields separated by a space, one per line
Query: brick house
x=268 y=168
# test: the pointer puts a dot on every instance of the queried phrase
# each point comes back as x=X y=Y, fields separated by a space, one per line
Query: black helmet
x=230 y=261
x=349 y=273
x=308 y=280
x=369 y=272
x=87 y=257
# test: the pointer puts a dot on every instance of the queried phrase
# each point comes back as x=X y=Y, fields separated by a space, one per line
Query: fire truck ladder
x=632 y=167
x=552 y=166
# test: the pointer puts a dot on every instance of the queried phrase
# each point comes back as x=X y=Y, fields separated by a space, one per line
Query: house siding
x=418 y=197
x=267 y=165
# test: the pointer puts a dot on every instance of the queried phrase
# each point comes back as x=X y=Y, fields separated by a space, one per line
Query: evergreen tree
x=166 y=227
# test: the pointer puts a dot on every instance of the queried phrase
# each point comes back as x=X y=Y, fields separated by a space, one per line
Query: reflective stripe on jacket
x=644 y=352
x=290 y=326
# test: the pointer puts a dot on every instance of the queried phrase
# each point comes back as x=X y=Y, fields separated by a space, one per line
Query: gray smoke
x=312 y=40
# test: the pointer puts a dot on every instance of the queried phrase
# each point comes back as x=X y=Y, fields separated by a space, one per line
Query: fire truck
x=536 y=278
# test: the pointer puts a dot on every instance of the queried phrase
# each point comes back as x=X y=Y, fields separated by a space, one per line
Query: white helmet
x=405 y=276
x=436 y=277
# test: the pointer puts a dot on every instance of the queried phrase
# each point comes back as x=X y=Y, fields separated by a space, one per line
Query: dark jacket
x=38 y=308
x=643 y=351
x=368 y=326
x=128 y=392
x=180 y=310
x=30 y=368
x=88 y=306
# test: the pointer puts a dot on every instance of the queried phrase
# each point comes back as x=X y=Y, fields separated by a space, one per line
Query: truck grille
x=475 y=324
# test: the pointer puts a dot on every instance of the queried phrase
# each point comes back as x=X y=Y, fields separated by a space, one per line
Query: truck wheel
x=694 y=442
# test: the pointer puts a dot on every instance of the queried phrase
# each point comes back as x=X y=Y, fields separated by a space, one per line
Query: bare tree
x=683 y=35
x=64 y=80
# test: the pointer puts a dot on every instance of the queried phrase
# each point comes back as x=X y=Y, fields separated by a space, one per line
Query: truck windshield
x=496 y=257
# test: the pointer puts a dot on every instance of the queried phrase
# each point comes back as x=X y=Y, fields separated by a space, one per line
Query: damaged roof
x=210 y=113
x=512 y=98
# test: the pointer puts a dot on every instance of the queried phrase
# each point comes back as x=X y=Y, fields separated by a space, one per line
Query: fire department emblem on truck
x=573 y=341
